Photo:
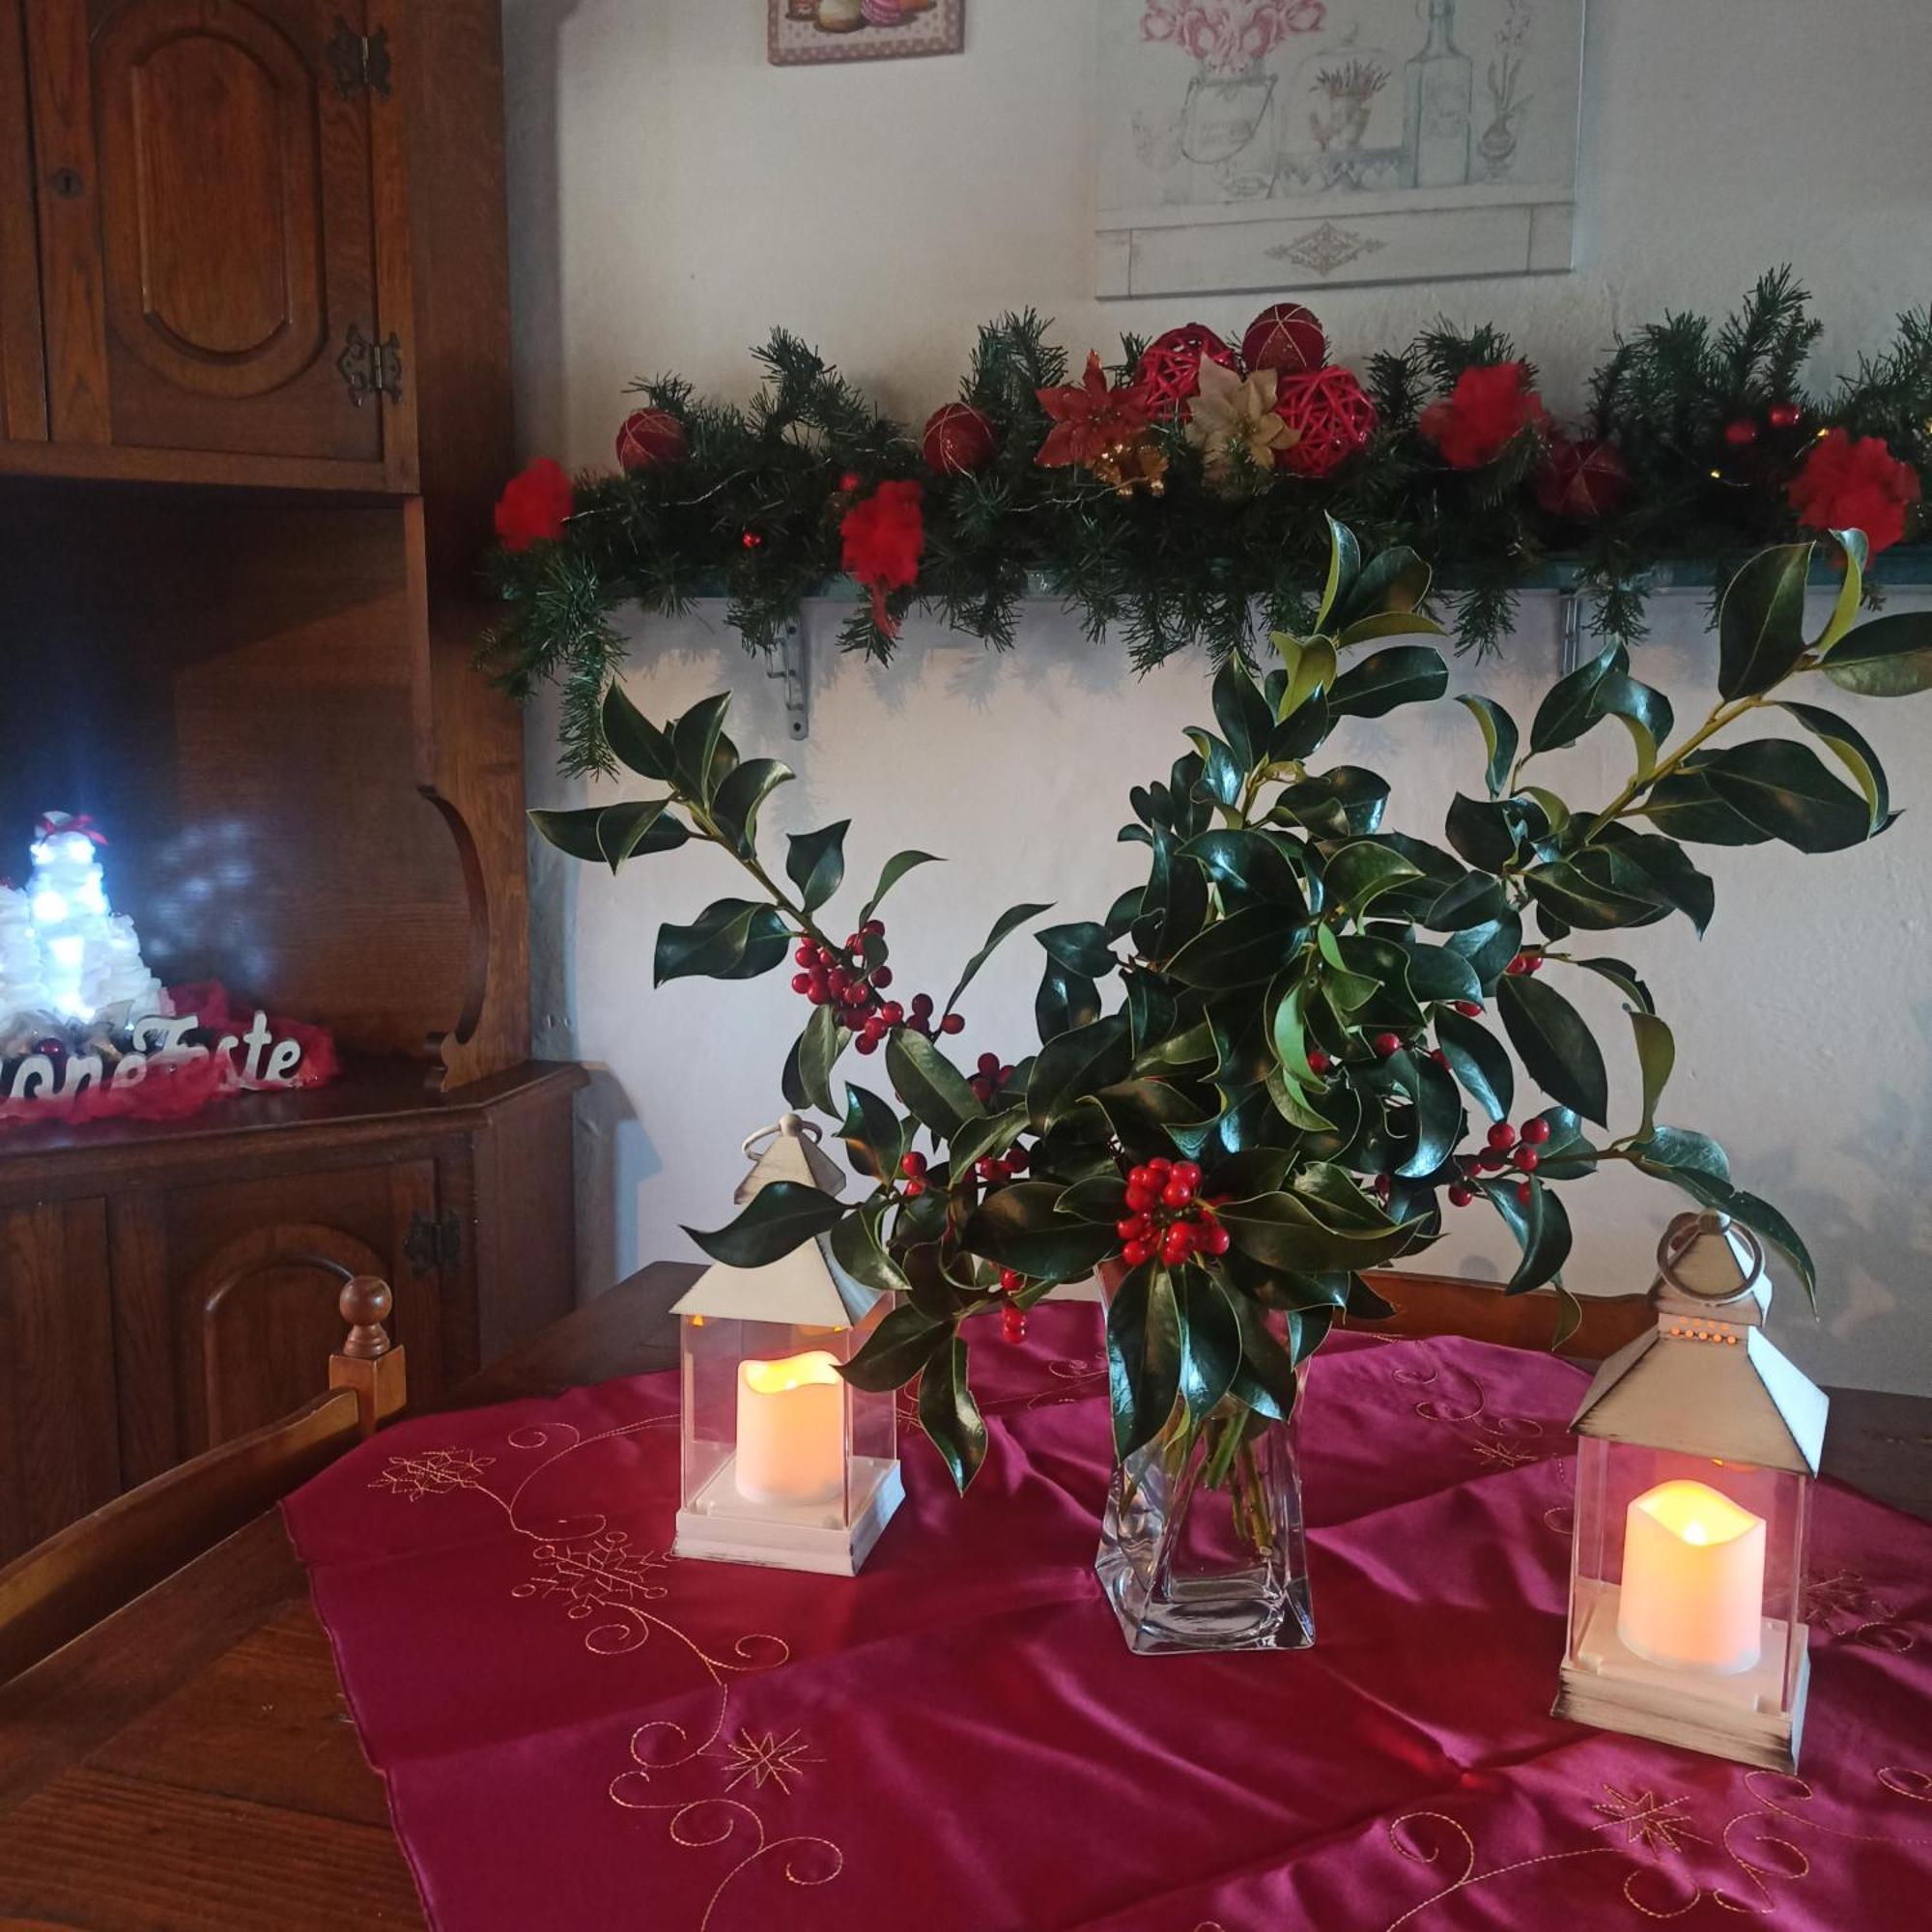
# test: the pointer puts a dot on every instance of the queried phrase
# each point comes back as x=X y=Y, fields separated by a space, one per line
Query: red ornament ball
x=1582 y=481
x=652 y=440
x=1785 y=416
x=1286 y=338
x=958 y=441
x=1742 y=434
x=1330 y=413
x=751 y=540
x=1168 y=375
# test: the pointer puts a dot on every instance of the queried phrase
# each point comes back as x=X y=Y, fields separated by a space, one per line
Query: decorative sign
x=1296 y=144
x=158 y=1044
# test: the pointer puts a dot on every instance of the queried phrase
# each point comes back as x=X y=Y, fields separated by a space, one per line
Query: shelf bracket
x=1569 y=648
x=794 y=666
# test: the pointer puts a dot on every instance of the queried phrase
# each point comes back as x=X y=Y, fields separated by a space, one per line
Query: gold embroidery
x=585 y=1564
x=1656 y=1824
x=1845 y=1598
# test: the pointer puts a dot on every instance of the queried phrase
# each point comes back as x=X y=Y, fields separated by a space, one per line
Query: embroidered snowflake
x=1501 y=1453
x=433 y=1473
x=1656 y=1824
x=769 y=1759
x=593 y=1572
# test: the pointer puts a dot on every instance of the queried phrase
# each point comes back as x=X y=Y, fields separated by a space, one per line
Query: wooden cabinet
x=218 y=194
x=177 y=1286
x=23 y=395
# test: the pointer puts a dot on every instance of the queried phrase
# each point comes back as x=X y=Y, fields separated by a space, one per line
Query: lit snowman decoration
x=90 y=959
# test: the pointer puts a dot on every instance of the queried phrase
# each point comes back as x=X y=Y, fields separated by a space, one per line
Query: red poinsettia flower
x=1490 y=405
x=883 y=540
x=534 y=506
x=1090 y=418
x=1847 y=485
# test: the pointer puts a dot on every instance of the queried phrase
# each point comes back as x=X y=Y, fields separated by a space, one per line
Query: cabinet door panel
x=23 y=402
x=59 y=1442
x=206 y=227
x=256 y=1269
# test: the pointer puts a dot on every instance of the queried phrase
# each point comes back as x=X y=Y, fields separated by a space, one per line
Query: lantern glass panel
x=771 y=1430
x=1686 y=1574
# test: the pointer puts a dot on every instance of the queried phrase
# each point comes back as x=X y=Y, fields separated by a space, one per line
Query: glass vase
x=1202 y=1548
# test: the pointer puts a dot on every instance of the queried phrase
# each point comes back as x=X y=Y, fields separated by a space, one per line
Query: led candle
x=791 y=1430
x=1693 y=1580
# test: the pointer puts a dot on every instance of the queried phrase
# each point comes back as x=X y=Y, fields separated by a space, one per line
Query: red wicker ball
x=958 y=441
x=1330 y=413
x=1286 y=338
x=1582 y=481
x=651 y=439
x=1170 y=368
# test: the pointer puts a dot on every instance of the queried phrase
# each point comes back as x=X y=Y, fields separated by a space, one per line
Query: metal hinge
x=433 y=1242
x=371 y=368
x=361 y=62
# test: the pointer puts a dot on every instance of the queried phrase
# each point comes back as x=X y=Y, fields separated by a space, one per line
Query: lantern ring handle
x=1688 y=1228
x=794 y=1125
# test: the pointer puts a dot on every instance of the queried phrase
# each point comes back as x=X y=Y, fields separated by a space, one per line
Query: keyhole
x=68 y=183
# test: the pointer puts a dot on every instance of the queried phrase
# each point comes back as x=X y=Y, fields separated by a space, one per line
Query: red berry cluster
x=1012 y=1320
x=1165 y=1219
x=1506 y=1149
x=988 y=1078
x=1525 y=962
x=843 y=978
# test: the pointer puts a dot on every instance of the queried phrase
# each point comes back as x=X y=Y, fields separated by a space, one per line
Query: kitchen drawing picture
x=1286 y=144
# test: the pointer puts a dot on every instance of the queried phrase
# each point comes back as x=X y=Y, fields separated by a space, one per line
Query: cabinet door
x=212 y=158
x=24 y=406
x=59 y=1440
x=254 y=1271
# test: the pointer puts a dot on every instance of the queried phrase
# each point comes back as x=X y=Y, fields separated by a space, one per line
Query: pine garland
x=754 y=506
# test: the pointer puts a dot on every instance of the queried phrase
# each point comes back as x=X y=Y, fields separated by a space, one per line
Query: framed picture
x=807 y=33
x=1301 y=144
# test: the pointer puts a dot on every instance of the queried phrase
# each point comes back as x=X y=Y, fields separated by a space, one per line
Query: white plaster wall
x=673 y=197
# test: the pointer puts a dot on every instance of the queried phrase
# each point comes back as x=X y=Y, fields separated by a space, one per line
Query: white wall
x=673 y=197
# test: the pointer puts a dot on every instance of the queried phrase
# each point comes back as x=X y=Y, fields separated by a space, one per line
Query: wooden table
x=192 y=1763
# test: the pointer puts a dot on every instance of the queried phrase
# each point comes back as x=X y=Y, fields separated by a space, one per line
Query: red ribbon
x=51 y=824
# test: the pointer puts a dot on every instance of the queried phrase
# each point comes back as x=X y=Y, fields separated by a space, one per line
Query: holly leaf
x=694 y=740
x=636 y=740
x=1359 y=873
x=1541 y=1226
x=732 y=939
x=897 y=1351
x=1143 y=1357
x=1890 y=657
x=1245 y=717
x=742 y=791
x=894 y=869
x=1081 y=948
x=816 y=863
x=934 y=1091
x=1853 y=753
x=1345 y=567
x=1569 y=706
x=1401 y=675
x=1019 y=1227
x=1075 y=1064
x=819 y=1046
x=1556 y=1048
x=780 y=1216
x=1242 y=950
x=1210 y=1353
x=1783 y=789
x=873 y=1134
x=1478 y=1061
x=951 y=1417
x=1657 y=1056
x=1008 y=922
x=1761 y=620
x=1500 y=739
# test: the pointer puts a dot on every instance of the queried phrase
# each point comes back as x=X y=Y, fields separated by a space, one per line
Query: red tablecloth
x=578 y=1731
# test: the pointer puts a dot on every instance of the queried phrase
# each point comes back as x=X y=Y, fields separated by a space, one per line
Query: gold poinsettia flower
x=1231 y=418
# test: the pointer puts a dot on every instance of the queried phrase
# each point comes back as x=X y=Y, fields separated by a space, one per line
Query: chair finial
x=365 y=1302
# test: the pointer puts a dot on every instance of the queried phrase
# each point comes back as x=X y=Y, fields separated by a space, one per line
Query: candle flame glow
x=814 y=1366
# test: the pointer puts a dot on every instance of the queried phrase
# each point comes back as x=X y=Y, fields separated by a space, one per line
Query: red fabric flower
x=1842 y=484
x=1490 y=404
x=884 y=539
x=534 y=506
x=1090 y=418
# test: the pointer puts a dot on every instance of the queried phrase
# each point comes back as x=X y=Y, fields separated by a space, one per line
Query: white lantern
x=1698 y=1448
x=783 y=1462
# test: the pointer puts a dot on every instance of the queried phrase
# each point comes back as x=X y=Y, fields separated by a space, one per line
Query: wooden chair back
x=1427 y=1304
x=93 y=1567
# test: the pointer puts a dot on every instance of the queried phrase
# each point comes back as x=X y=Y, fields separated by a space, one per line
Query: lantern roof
x=807 y=1287
x=1707 y=1380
